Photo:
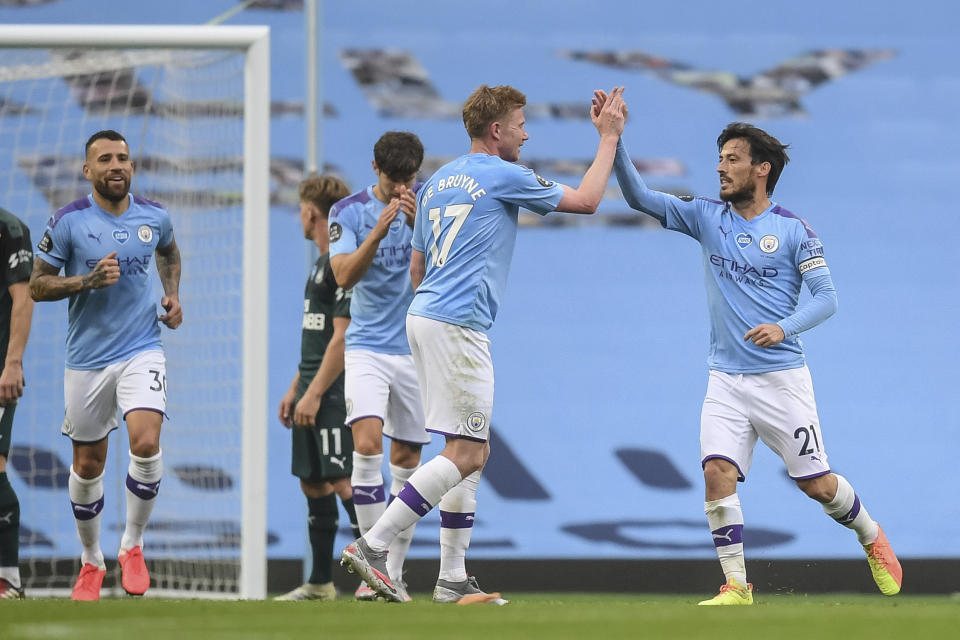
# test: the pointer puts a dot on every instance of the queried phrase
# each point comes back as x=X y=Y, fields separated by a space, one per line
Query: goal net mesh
x=181 y=112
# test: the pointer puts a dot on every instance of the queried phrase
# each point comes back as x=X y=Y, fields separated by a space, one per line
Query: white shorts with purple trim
x=92 y=397
x=777 y=407
x=456 y=377
x=384 y=386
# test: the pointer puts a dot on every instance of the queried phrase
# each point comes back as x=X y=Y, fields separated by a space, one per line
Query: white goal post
x=117 y=44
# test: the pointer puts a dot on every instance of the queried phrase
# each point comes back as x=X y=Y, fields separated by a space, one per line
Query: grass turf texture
x=527 y=616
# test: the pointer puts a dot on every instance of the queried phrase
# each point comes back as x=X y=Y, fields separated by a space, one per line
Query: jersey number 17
x=457 y=211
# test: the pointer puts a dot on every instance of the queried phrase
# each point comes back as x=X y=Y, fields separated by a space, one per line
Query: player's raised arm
x=609 y=118
x=168 y=266
x=46 y=284
x=349 y=268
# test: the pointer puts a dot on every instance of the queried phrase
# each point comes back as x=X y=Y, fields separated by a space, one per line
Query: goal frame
x=254 y=43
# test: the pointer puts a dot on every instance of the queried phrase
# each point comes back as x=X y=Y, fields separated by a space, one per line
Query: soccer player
x=370 y=252
x=313 y=406
x=105 y=243
x=757 y=255
x=463 y=240
x=16 y=312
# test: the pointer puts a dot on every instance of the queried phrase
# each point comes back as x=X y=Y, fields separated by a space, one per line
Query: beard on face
x=105 y=188
x=743 y=194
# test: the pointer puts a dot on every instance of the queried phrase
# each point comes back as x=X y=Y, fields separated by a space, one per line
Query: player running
x=463 y=240
x=757 y=255
x=16 y=312
x=105 y=243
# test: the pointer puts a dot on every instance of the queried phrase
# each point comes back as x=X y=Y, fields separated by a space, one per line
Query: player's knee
x=316 y=490
x=144 y=446
x=719 y=476
x=405 y=455
x=88 y=468
x=817 y=489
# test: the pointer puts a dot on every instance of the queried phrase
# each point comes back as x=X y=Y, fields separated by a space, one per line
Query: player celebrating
x=370 y=252
x=757 y=255
x=463 y=241
x=16 y=311
x=314 y=405
x=104 y=243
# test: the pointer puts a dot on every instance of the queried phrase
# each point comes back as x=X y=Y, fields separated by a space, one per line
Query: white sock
x=86 y=497
x=11 y=575
x=369 y=500
x=400 y=544
x=457 y=509
x=418 y=496
x=846 y=509
x=143 y=484
x=726 y=524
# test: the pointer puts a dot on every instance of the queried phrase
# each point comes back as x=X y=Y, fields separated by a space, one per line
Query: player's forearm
x=293 y=385
x=45 y=288
x=418 y=268
x=21 y=316
x=168 y=268
x=635 y=192
x=330 y=367
x=821 y=305
x=586 y=198
x=349 y=268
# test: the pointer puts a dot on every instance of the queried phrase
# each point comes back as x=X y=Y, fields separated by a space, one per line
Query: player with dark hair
x=463 y=240
x=104 y=243
x=757 y=256
x=16 y=312
x=313 y=406
x=370 y=252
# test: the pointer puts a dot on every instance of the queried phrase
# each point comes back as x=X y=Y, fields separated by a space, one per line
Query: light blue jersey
x=753 y=272
x=379 y=307
x=114 y=323
x=467 y=226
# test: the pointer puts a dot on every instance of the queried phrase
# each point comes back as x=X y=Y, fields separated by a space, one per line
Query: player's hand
x=11 y=384
x=387 y=216
x=765 y=335
x=174 y=312
x=106 y=273
x=408 y=204
x=305 y=414
x=285 y=413
x=608 y=112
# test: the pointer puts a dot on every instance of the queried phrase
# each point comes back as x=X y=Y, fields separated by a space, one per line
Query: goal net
x=192 y=103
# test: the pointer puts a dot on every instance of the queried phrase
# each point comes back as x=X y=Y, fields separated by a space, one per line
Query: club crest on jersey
x=145 y=233
x=744 y=240
x=121 y=235
x=769 y=244
x=335 y=231
x=476 y=421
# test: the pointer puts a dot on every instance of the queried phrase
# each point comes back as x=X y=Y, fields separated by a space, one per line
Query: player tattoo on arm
x=168 y=267
x=46 y=283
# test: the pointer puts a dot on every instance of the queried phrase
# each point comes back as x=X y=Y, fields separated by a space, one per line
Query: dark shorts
x=6 y=429
x=324 y=451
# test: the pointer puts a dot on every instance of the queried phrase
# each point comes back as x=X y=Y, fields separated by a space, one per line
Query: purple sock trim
x=852 y=514
x=412 y=498
x=454 y=520
x=143 y=490
x=730 y=534
x=87 y=511
x=368 y=495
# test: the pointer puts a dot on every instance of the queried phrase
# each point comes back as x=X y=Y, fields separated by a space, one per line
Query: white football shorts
x=778 y=407
x=384 y=386
x=92 y=396
x=456 y=374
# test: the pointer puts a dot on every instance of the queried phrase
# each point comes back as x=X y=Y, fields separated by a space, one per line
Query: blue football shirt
x=467 y=226
x=380 y=299
x=753 y=271
x=114 y=323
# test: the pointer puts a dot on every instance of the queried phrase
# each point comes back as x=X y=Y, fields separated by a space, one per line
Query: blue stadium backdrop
x=601 y=344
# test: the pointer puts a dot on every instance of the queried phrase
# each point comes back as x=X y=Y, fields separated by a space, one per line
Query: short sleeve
x=166 y=230
x=522 y=187
x=17 y=254
x=55 y=247
x=343 y=230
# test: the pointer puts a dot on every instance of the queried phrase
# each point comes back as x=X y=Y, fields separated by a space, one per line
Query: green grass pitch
x=600 y=617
